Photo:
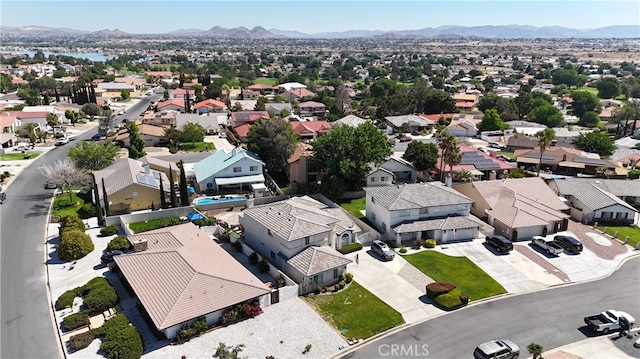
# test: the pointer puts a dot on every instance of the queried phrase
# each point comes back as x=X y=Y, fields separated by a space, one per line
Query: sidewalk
x=596 y=347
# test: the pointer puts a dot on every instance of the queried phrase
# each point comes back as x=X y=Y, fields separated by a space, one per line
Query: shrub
x=65 y=300
x=173 y=149
x=205 y=222
x=112 y=325
x=94 y=283
x=74 y=244
x=237 y=246
x=125 y=343
x=341 y=284
x=464 y=298
x=109 y=230
x=119 y=243
x=70 y=222
x=348 y=277
x=403 y=250
x=251 y=310
x=100 y=299
x=75 y=320
x=634 y=174
x=430 y=243
x=253 y=258
x=449 y=300
x=350 y=248
x=417 y=243
x=87 y=210
x=436 y=289
x=263 y=266
x=82 y=340
x=233 y=314
x=280 y=281
x=307 y=349
x=196 y=328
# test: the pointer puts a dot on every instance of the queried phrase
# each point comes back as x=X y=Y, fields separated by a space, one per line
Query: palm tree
x=453 y=158
x=535 y=350
x=464 y=176
x=545 y=138
x=446 y=142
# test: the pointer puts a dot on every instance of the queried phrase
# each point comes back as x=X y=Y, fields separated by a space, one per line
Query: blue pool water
x=209 y=200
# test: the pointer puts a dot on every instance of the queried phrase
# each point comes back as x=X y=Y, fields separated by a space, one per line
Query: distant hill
x=450 y=31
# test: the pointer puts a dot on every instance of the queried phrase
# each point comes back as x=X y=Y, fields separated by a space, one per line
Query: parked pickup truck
x=608 y=321
x=551 y=247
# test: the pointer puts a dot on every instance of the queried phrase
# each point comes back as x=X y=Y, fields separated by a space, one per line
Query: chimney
x=449 y=180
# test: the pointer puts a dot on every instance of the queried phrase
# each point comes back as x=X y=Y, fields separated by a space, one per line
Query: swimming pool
x=217 y=199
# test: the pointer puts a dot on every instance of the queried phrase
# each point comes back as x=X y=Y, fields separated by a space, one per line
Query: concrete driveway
x=220 y=143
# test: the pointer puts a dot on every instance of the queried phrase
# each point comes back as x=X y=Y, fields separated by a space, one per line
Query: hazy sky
x=158 y=16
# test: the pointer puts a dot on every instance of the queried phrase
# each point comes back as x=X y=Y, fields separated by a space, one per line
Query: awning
x=476 y=173
x=239 y=180
x=258 y=187
x=528 y=160
x=571 y=164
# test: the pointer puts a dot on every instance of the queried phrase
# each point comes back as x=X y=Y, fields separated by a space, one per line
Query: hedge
x=75 y=320
x=82 y=340
x=350 y=248
x=100 y=299
x=65 y=300
x=119 y=243
x=121 y=340
x=70 y=222
x=74 y=244
x=87 y=210
x=450 y=300
x=109 y=230
x=436 y=289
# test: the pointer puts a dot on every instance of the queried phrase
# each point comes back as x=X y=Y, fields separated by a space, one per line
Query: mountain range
x=258 y=32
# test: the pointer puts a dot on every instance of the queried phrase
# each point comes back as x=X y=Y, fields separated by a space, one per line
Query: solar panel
x=487 y=165
x=537 y=155
x=591 y=161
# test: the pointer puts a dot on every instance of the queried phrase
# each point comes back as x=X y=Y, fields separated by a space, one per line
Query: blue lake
x=92 y=56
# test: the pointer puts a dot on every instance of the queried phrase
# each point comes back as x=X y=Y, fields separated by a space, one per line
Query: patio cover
x=571 y=164
x=241 y=179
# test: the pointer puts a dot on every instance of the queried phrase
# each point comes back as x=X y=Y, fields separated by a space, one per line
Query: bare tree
x=64 y=175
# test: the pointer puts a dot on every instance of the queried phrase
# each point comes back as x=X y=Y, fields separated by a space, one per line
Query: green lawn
x=197 y=147
x=466 y=275
x=19 y=156
x=63 y=207
x=355 y=206
x=266 y=81
x=355 y=312
x=593 y=90
x=623 y=231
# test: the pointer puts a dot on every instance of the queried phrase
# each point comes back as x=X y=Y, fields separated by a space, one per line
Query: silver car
x=382 y=249
x=497 y=349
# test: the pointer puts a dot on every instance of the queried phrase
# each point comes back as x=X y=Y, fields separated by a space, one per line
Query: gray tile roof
x=453 y=222
x=176 y=279
x=412 y=120
x=314 y=260
x=618 y=187
x=416 y=195
x=126 y=172
x=591 y=194
x=295 y=218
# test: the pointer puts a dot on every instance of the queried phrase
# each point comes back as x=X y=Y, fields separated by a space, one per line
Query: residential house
x=298 y=167
x=299 y=236
x=464 y=125
x=291 y=86
x=420 y=211
x=401 y=172
x=380 y=177
x=209 y=105
x=563 y=160
x=264 y=89
x=39 y=119
x=131 y=185
x=481 y=165
x=225 y=170
x=247 y=117
x=150 y=134
x=208 y=123
x=591 y=203
x=349 y=120
x=173 y=104
x=160 y=165
x=250 y=94
x=160 y=118
x=176 y=281
x=417 y=123
x=297 y=94
x=521 y=142
x=182 y=93
x=312 y=109
x=309 y=130
x=518 y=208
x=114 y=89
x=278 y=107
x=8 y=127
x=465 y=101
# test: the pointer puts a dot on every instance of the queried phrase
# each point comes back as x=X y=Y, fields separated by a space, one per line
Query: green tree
x=548 y=115
x=536 y=350
x=595 y=142
x=491 y=121
x=590 y=119
x=347 y=152
x=92 y=156
x=136 y=143
x=523 y=104
x=72 y=116
x=569 y=77
x=125 y=94
x=583 y=102
x=74 y=244
x=29 y=131
x=163 y=197
x=489 y=101
x=453 y=158
x=464 y=176
x=105 y=199
x=423 y=156
x=273 y=141
x=30 y=95
x=192 y=132
x=446 y=143
x=621 y=116
x=608 y=87
x=52 y=120
x=91 y=109
x=172 y=190
x=184 y=190
x=545 y=138
x=173 y=135
x=96 y=197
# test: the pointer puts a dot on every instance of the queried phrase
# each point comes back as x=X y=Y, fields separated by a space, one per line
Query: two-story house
x=420 y=211
x=299 y=236
x=312 y=109
x=225 y=170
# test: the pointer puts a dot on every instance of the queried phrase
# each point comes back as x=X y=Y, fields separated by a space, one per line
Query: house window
x=269 y=232
x=384 y=227
x=405 y=213
x=306 y=240
x=237 y=169
x=318 y=279
x=373 y=216
x=373 y=200
x=273 y=255
x=424 y=210
x=462 y=207
x=336 y=273
x=253 y=168
x=383 y=179
x=607 y=214
x=373 y=179
x=473 y=205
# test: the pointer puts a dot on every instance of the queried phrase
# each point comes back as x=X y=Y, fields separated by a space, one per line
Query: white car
x=22 y=148
x=62 y=141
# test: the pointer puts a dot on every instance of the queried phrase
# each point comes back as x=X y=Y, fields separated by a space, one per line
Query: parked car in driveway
x=107 y=256
x=382 y=249
x=551 y=247
x=609 y=321
x=22 y=148
x=500 y=243
x=569 y=243
x=497 y=349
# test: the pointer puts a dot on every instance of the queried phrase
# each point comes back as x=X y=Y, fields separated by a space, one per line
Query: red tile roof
x=172 y=101
x=24 y=114
x=210 y=103
x=310 y=128
x=243 y=130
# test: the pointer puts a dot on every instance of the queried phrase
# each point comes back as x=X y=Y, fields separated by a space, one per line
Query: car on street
x=96 y=137
x=107 y=256
x=494 y=145
x=3 y=196
x=50 y=185
x=22 y=148
x=503 y=158
x=497 y=349
x=569 y=243
x=62 y=141
x=382 y=249
x=405 y=138
x=609 y=321
x=500 y=243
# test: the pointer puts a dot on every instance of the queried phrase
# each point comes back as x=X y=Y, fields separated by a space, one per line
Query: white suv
x=497 y=349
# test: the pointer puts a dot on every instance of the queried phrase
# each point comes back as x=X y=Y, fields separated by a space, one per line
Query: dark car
x=569 y=243
x=501 y=244
x=107 y=256
x=96 y=137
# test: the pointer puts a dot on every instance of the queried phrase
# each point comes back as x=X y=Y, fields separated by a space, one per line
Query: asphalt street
x=551 y=318
x=27 y=330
